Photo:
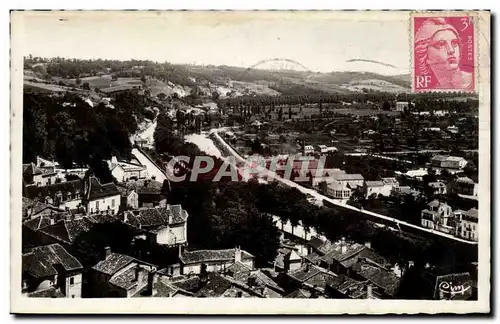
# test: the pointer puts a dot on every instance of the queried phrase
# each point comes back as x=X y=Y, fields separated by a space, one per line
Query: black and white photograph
x=331 y=158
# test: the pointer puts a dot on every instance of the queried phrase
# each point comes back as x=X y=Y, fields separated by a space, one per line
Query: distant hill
x=206 y=81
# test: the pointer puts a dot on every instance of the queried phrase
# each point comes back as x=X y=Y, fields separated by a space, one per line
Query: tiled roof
x=126 y=279
x=67 y=230
x=215 y=286
x=472 y=213
x=191 y=284
x=313 y=257
x=145 y=186
x=440 y=158
x=238 y=271
x=37 y=223
x=211 y=255
x=385 y=279
x=31 y=169
x=40 y=192
x=264 y=279
x=315 y=242
x=348 y=286
x=113 y=263
x=374 y=183
x=336 y=252
x=47 y=293
x=465 y=180
x=156 y=216
x=305 y=272
x=97 y=190
x=434 y=203
x=349 y=177
x=299 y=293
x=320 y=279
x=40 y=261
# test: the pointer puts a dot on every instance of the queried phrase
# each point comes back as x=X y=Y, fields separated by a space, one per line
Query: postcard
x=250 y=162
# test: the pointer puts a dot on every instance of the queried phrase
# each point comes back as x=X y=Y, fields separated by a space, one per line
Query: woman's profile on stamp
x=440 y=55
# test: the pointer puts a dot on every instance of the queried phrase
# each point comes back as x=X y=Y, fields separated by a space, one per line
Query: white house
x=101 y=197
x=163 y=225
x=468 y=228
x=124 y=171
x=439 y=216
x=402 y=105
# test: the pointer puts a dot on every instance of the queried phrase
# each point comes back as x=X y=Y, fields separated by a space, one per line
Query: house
x=438 y=216
x=150 y=192
x=100 y=197
x=437 y=188
x=195 y=262
x=287 y=259
x=51 y=267
x=263 y=284
x=464 y=186
x=308 y=150
x=124 y=171
x=354 y=180
x=344 y=287
x=162 y=287
x=129 y=198
x=402 y=105
x=163 y=225
x=384 y=283
x=63 y=195
x=35 y=176
x=120 y=275
x=376 y=188
x=452 y=164
x=337 y=190
x=468 y=225
x=33 y=208
x=309 y=277
x=219 y=285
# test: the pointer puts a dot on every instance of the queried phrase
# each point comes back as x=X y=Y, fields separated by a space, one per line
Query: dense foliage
x=70 y=131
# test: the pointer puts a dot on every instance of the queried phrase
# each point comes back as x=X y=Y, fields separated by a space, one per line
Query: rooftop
x=374 y=183
x=40 y=261
x=348 y=177
x=198 y=256
x=385 y=279
x=97 y=190
x=113 y=263
x=40 y=192
x=156 y=216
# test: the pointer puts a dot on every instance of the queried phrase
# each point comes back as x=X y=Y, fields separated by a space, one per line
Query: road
x=315 y=194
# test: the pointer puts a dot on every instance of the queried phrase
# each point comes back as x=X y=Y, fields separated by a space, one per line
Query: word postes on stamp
x=443 y=53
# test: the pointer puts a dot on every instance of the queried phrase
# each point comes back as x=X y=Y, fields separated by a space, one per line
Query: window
x=72 y=296
x=97 y=205
x=71 y=281
x=112 y=203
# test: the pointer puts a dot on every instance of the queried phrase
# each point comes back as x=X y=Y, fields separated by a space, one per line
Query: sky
x=321 y=41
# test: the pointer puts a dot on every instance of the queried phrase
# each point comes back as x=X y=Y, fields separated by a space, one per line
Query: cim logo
x=455 y=286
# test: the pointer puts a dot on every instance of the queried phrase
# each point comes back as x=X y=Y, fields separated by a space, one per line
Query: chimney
x=52 y=221
x=369 y=291
x=343 y=246
x=151 y=281
x=107 y=252
x=237 y=254
x=180 y=250
x=114 y=161
x=170 y=218
x=125 y=217
x=137 y=272
x=368 y=244
x=307 y=268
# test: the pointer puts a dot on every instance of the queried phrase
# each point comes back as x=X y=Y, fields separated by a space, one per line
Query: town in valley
x=363 y=188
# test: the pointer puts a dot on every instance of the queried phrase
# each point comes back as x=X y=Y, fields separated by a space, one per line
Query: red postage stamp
x=443 y=53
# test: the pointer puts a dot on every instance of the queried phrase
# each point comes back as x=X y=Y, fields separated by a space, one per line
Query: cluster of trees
x=69 y=131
